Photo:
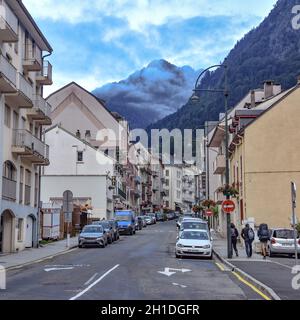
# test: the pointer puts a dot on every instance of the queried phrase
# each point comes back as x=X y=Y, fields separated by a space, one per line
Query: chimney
x=87 y=135
x=253 y=104
x=268 y=88
x=78 y=135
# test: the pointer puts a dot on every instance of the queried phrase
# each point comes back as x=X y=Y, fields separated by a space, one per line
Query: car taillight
x=299 y=242
x=273 y=241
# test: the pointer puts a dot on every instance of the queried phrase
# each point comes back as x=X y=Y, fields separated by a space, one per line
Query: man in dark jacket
x=248 y=236
x=234 y=237
x=264 y=236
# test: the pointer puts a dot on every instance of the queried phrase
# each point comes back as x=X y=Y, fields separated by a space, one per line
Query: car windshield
x=194 y=235
x=284 y=234
x=147 y=217
x=92 y=229
x=194 y=225
x=123 y=218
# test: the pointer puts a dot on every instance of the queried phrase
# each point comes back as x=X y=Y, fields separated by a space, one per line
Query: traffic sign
x=228 y=206
x=68 y=201
x=208 y=213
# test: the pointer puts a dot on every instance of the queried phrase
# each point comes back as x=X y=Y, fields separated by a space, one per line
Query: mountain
x=149 y=94
x=270 y=51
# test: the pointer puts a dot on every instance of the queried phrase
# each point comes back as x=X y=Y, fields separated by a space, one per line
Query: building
x=264 y=159
x=23 y=111
x=77 y=166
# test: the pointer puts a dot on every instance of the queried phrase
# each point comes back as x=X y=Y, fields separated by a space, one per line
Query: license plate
x=191 y=250
x=286 y=244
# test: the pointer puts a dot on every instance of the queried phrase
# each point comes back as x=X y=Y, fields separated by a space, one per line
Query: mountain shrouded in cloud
x=150 y=94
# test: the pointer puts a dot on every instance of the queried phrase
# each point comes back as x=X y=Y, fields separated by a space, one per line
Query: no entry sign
x=228 y=206
x=208 y=213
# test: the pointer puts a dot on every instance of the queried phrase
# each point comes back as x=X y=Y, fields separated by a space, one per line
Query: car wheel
x=79 y=246
x=178 y=256
x=210 y=257
x=102 y=245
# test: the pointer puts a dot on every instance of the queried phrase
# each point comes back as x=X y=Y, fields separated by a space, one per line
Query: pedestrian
x=248 y=235
x=234 y=237
x=264 y=236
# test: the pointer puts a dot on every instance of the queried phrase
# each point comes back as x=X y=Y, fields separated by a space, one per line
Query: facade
x=77 y=166
x=23 y=112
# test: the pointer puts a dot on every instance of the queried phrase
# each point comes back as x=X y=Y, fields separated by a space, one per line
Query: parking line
x=91 y=279
x=94 y=283
x=251 y=286
x=220 y=266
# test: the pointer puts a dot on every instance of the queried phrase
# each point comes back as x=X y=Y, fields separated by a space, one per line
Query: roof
x=115 y=115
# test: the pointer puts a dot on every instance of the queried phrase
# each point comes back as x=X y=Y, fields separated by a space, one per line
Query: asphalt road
x=126 y=270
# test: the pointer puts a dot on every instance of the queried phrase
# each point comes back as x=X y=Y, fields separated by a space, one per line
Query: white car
x=194 y=243
x=193 y=225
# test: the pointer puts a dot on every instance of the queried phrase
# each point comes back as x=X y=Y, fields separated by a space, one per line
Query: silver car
x=282 y=242
x=92 y=235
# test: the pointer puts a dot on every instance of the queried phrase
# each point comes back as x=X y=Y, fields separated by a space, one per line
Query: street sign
x=68 y=217
x=208 y=213
x=68 y=201
x=228 y=206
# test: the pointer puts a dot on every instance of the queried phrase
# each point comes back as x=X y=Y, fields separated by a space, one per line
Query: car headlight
x=99 y=239
x=179 y=245
x=206 y=247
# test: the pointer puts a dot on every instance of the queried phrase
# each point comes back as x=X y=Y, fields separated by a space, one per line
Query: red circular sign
x=209 y=213
x=228 y=206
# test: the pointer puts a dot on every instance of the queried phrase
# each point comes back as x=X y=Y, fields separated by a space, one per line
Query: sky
x=100 y=41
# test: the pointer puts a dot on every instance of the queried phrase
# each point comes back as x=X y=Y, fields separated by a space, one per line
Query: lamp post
x=195 y=98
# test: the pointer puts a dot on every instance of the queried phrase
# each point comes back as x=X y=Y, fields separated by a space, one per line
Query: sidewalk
x=32 y=255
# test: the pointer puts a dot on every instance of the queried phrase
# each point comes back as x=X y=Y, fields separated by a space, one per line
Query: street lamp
x=196 y=98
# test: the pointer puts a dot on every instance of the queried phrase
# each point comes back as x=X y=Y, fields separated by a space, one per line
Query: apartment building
x=157 y=169
x=173 y=187
x=23 y=112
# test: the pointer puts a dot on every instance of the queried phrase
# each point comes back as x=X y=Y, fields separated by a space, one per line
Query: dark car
x=107 y=228
x=115 y=229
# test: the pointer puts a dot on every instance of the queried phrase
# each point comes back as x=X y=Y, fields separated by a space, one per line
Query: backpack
x=264 y=233
x=251 y=234
x=233 y=233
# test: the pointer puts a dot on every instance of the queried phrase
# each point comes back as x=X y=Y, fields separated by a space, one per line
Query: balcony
x=46 y=77
x=8 y=26
x=219 y=197
x=30 y=148
x=8 y=76
x=23 y=96
x=219 y=164
x=122 y=194
x=9 y=189
x=33 y=58
x=41 y=112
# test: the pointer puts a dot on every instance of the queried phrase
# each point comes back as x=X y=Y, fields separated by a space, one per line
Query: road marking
x=179 y=285
x=283 y=265
x=251 y=286
x=94 y=283
x=91 y=279
x=168 y=273
x=58 y=269
x=220 y=266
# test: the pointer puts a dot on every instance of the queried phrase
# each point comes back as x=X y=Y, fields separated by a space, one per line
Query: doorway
x=6 y=232
x=29 y=232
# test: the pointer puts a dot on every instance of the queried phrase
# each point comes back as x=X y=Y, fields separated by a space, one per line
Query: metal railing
x=24 y=138
x=122 y=193
x=47 y=70
x=9 y=189
x=41 y=104
x=8 y=70
x=32 y=53
x=27 y=195
x=25 y=87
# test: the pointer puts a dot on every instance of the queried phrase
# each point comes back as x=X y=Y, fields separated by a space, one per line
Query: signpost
x=228 y=206
x=68 y=210
x=209 y=213
x=294 y=197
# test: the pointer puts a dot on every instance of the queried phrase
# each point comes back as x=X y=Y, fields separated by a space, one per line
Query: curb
x=19 y=266
x=262 y=287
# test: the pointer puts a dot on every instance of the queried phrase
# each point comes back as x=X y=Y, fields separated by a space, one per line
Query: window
x=7 y=116
x=178 y=194
x=21 y=185
x=178 y=184
x=20 y=229
x=9 y=171
x=167 y=173
x=178 y=174
x=79 y=156
x=167 y=204
x=167 y=182
x=15 y=120
x=167 y=193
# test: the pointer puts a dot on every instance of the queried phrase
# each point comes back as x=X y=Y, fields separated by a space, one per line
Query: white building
x=173 y=187
x=77 y=166
x=23 y=111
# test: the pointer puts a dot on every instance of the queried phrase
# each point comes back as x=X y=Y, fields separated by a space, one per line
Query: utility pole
x=294 y=198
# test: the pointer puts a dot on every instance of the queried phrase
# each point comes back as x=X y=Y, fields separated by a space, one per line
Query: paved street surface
x=127 y=269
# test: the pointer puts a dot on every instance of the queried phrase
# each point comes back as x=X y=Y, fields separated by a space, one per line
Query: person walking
x=264 y=236
x=234 y=237
x=248 y=236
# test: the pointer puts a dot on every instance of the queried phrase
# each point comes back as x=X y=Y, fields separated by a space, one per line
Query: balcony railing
x=46 y=77
x=121 y=193
x=219 y=164
x=33 y=58
x=26 y=144
x=27 y=195
x=8 y=25
x=41 y=112
x=9 y=189
x=8 y=76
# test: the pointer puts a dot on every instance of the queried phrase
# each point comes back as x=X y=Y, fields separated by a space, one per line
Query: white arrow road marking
x=56 y=269
x=179 y=285
x=168 y=271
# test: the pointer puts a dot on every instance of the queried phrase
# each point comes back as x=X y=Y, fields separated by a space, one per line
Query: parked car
x=153 y=217
x=144 y=221
x=194 y=243
x=193 y=225
x=138 y=223
x=126 y=221
x=115 y=229
x=159 y=217
x=282 y=242
x=92 y=235
x=149 y=220
x=107 y=228
x=178 y=222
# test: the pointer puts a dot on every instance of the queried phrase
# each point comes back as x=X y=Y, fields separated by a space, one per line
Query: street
x=132 y=268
